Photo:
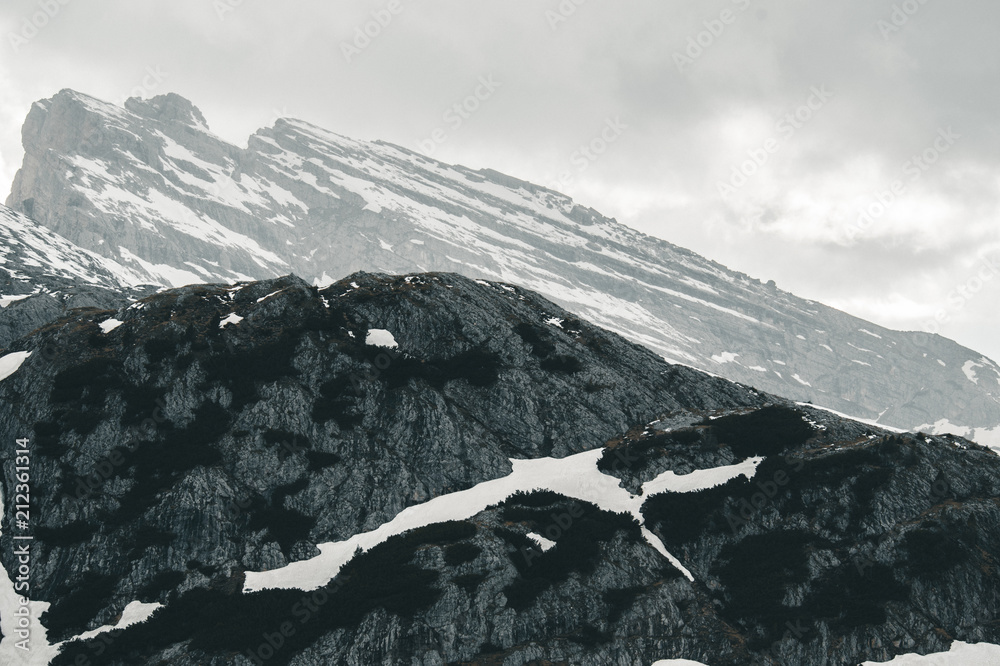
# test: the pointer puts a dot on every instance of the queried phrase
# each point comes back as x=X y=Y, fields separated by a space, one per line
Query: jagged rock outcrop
x=210 y=431
x=149 y=187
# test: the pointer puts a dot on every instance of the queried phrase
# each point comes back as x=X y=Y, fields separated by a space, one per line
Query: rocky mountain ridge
x=149 y=188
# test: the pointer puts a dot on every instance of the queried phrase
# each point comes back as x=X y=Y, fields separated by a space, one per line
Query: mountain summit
x=149 y=188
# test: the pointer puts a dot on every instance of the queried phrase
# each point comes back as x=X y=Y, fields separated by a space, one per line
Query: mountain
x=149 y=187
x=42 y=276
x=429 y=469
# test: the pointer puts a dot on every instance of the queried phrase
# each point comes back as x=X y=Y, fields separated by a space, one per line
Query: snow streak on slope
x=576 y=477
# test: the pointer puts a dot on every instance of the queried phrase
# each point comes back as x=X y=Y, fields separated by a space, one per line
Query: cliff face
x=151 y=189
x=509 y=471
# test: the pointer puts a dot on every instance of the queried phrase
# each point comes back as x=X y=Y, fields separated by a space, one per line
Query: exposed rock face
x=218 y=430
x=150 y=188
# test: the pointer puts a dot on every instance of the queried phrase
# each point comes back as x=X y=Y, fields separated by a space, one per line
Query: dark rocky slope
x=184 y=448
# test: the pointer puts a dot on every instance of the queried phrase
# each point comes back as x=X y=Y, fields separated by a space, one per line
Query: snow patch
x=41 y=652
x=134 y=613
x=542 y=542
x=969 y=371
x=379 y=337
x=109 y=325
x=11 y=362
x=554 y=321
x=725 y=357
x=264 y=298
x=324 y=281
x=958 y=654
x=7 y=300
x=233 y=318
x=800 y=380
x=874 y=335
x=699 y=479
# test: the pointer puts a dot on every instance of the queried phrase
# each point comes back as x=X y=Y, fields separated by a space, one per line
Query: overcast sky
x=751 y=131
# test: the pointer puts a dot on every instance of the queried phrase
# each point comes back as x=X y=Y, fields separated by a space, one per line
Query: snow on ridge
x=989 y=437
x=842 y=415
